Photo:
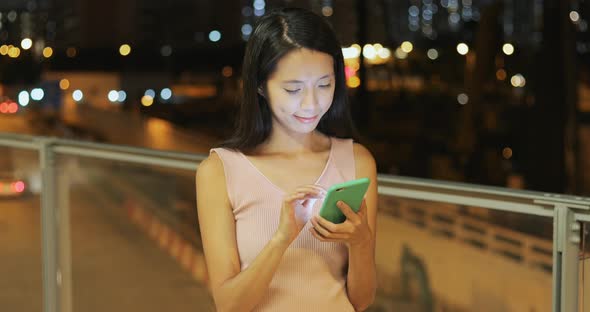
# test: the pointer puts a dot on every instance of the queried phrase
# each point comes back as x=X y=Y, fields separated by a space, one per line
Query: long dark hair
x=276 y=34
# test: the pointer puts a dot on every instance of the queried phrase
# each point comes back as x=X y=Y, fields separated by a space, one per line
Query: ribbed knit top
x=312 y=274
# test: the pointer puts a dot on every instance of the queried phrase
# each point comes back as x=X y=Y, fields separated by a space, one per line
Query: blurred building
x=471 y=90
x=146 y=23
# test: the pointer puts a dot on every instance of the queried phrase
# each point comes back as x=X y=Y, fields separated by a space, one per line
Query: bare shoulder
x=210 y=167
x=210 y=178
x=365 y=162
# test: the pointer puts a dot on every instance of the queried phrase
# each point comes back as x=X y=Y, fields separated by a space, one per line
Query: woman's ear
x=260 y=91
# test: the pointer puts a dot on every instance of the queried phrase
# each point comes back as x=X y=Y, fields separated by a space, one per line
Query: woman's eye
x=326 y=85
x=292 y=91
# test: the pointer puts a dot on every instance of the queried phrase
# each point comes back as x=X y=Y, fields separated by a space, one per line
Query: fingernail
x=339 y=203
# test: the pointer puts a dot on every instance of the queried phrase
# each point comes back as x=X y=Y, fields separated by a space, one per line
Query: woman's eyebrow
x=300 y=81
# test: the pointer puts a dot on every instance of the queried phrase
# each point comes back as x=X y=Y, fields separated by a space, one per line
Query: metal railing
x=565 y=210
x=446 y=221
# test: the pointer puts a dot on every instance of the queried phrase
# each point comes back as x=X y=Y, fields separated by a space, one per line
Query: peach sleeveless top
x=312 y=274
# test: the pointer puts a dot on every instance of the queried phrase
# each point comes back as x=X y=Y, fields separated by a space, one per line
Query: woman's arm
x=233 y=290
x=362 y=277
x=358 y=232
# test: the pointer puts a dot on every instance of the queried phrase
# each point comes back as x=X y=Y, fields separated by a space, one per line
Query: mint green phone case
x=350 y=192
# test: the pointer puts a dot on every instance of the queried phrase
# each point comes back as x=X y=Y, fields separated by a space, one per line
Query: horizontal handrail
x=480 y=190
x=139 y=155
x=126 y=157
x=18 y=140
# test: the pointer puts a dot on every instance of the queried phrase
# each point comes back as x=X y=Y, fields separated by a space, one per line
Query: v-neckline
x=271 y=183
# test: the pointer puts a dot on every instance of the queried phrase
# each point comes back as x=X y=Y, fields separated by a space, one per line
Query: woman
x=257 y=195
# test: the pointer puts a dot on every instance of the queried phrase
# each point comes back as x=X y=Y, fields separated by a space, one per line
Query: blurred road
x=20 y=254
x=88 y=123
x=15 y=124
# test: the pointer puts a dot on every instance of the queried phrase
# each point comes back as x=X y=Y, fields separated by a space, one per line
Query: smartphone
x=350 y=192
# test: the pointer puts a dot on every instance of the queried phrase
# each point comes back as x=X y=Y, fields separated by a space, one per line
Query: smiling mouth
x=306 y=119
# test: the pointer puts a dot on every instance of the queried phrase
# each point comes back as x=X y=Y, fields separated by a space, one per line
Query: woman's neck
x=282 y=142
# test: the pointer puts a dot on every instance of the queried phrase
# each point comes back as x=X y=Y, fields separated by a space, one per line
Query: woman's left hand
x=354 y=231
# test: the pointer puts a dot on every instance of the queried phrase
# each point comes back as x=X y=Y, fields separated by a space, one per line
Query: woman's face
x=300 y=90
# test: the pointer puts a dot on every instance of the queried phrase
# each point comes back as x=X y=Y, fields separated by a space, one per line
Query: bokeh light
x=124 y=49
x=147 y=100
x=214 y=36
x=26 y=43
x=23 y=98
x=37 y=94
x=47 y=52
x=508 y=49
x=462 y=48
x=77 y=95
x=432 y=54
x=462 y=98
x=113 y=95
x=407 y=46
x=64 y=84
x=353 y=82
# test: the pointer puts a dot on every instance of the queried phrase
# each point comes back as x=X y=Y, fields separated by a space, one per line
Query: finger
x=316 y=187
x=312 y=196
x=363 y=209
x=347 y=211
x=325 y=232
x=309 y=192
x=300 y=196
x=294 y=197
x=310 y=189
x=333 y=228
x=322 y=238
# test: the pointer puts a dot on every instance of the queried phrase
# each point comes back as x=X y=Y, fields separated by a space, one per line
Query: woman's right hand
x=296 y=211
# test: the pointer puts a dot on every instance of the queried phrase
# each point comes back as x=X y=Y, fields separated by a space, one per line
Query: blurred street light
x=508 y=49
x=23 y=98
x=215 y=36
x=77 y=95
x=26 y=43
x=37 y=94
x=462 y=98
x=47 y=52
x=574 y=16
x=518 y=81
x=147 y=100
x=113 y=96
x=407 y=46
x=124 y=49
x=166 y=94
x=432 y=54
x=462 y=48
x=64 y=84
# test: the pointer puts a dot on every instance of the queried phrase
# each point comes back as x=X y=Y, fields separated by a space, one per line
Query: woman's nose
x=309 y=100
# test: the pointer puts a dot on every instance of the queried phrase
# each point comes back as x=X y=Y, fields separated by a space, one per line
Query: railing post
x=64 y=238
x=51 y=276
x=55 y=232
x=566 y=250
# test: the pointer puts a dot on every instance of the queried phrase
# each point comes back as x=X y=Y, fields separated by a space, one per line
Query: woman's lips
x=306 y=119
